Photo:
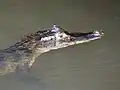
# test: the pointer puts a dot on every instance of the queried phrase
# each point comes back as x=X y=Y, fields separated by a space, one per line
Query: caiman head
x=53 y=38
x=57 y=37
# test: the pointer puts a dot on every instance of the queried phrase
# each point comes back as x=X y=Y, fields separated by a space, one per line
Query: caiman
x=22 y=54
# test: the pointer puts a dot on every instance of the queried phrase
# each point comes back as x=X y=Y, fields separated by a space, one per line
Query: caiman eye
x=61 y=36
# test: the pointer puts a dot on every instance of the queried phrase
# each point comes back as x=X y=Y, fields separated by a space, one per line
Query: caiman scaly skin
x=22 y=54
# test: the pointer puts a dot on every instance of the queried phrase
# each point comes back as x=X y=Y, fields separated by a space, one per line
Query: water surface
x=90 y=66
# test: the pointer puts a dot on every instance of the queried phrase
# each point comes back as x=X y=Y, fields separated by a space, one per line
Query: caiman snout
x=88 y=35
x=98 y=33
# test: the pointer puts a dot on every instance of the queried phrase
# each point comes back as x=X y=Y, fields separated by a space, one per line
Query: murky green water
x=91 y=66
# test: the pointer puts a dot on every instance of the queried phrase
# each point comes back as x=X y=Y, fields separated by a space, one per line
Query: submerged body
x=22 y=55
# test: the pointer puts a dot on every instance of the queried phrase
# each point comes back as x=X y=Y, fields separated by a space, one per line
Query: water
x=90 y=66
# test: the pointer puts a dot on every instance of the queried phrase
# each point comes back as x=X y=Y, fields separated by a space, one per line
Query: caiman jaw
x=84 y=37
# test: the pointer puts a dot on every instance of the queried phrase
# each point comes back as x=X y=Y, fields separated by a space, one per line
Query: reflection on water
x=90 y=66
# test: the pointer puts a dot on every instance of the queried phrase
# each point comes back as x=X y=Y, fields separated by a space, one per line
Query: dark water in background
x=91 y=66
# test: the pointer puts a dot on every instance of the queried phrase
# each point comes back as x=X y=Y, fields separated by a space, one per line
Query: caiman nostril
x=101 y=32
